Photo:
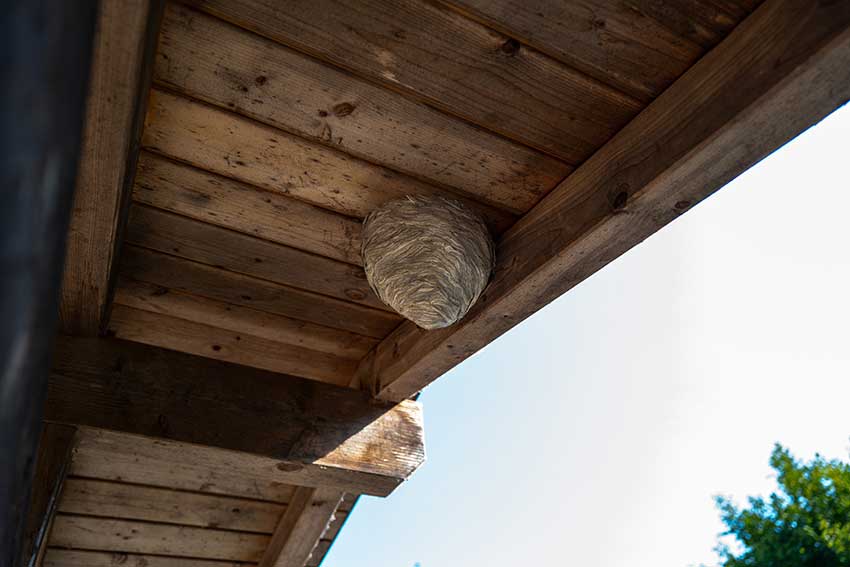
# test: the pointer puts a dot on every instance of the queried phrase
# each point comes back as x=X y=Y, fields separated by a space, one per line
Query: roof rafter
x=120 y=78
x=779 y=72
x=314 y=434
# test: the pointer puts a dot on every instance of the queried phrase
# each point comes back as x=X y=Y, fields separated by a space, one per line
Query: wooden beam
x=782 y=70
x=301 y=527
x=320 y=434
x=51 y=467
x=121 y=457
x=121 y=67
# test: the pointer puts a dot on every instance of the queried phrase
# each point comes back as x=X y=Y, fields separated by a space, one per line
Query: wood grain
x=211 y=60
x=639 y=47
x=224 y=202
x=157 y=329
x=222 y=285
x=131 y=458
x=117 y=500
x=319 y=553
x=202 y=242
x=76 y=558
x=120 y=73
x=336 y=524
x=103 y=534
x=330 y=432
x=453 y=63
x=788 y=65
x=243 y=149
x=241 y=320
x=301 y=527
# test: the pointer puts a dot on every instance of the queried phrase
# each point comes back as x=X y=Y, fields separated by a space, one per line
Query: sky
x=597 y=432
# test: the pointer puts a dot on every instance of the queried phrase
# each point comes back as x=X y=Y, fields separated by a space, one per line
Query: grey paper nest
x=429 y=258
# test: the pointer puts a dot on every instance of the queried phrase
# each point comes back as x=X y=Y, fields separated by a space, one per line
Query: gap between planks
x=567 y=114
x=229 y=144
x=212 y=60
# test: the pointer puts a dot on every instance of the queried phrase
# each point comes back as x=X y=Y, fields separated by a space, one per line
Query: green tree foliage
x=806 y=523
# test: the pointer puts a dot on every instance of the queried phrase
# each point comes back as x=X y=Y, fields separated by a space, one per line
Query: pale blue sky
x=597 y=432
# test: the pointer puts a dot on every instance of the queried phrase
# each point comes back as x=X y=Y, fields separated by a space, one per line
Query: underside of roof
x=226 y=382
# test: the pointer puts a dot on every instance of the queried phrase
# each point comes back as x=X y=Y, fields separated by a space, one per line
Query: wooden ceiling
x=271 y=133
x=218 y=215
x=133 y=502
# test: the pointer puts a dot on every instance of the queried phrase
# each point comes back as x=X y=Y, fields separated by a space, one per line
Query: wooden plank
x=637 y=47
x=301 y=527
x=453 y=63
x=224 y=202
x=133 y=502
x=211 y=60
x=348 y=502
x=319 y=553
x=76 y=558
x=788 y=65
x=157 y=329
x=243 y=149
x=325 y=435
x=242 y=320
x=120 y=75
x=335 y=525
x=215 y=283
x=52 y=463
x=129 y=458
x=201 y=242
x=105 y=534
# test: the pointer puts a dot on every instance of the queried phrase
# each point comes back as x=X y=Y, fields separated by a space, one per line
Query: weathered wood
x=242 y=320
x=790 y=59
x=249 y=151
x=130 y=458
x=639 y=47
x=51 y=467
x=104 y=534
x=301 y=527
x=319 y=552
x=117 y=500
x=449 y=61
x=157 y=329
x=336 y=524
x=201 y=242
x=120 y=77
x=76 y=558
x=44 y=69
x=265 y=214
x=156 y=462
x=215 y=283
x=211 y=60
x=332 y=436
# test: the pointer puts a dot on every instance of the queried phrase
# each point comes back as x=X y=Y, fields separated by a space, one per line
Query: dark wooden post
x=45 y=52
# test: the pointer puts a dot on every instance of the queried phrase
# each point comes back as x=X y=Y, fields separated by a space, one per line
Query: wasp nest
x=429 y=258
